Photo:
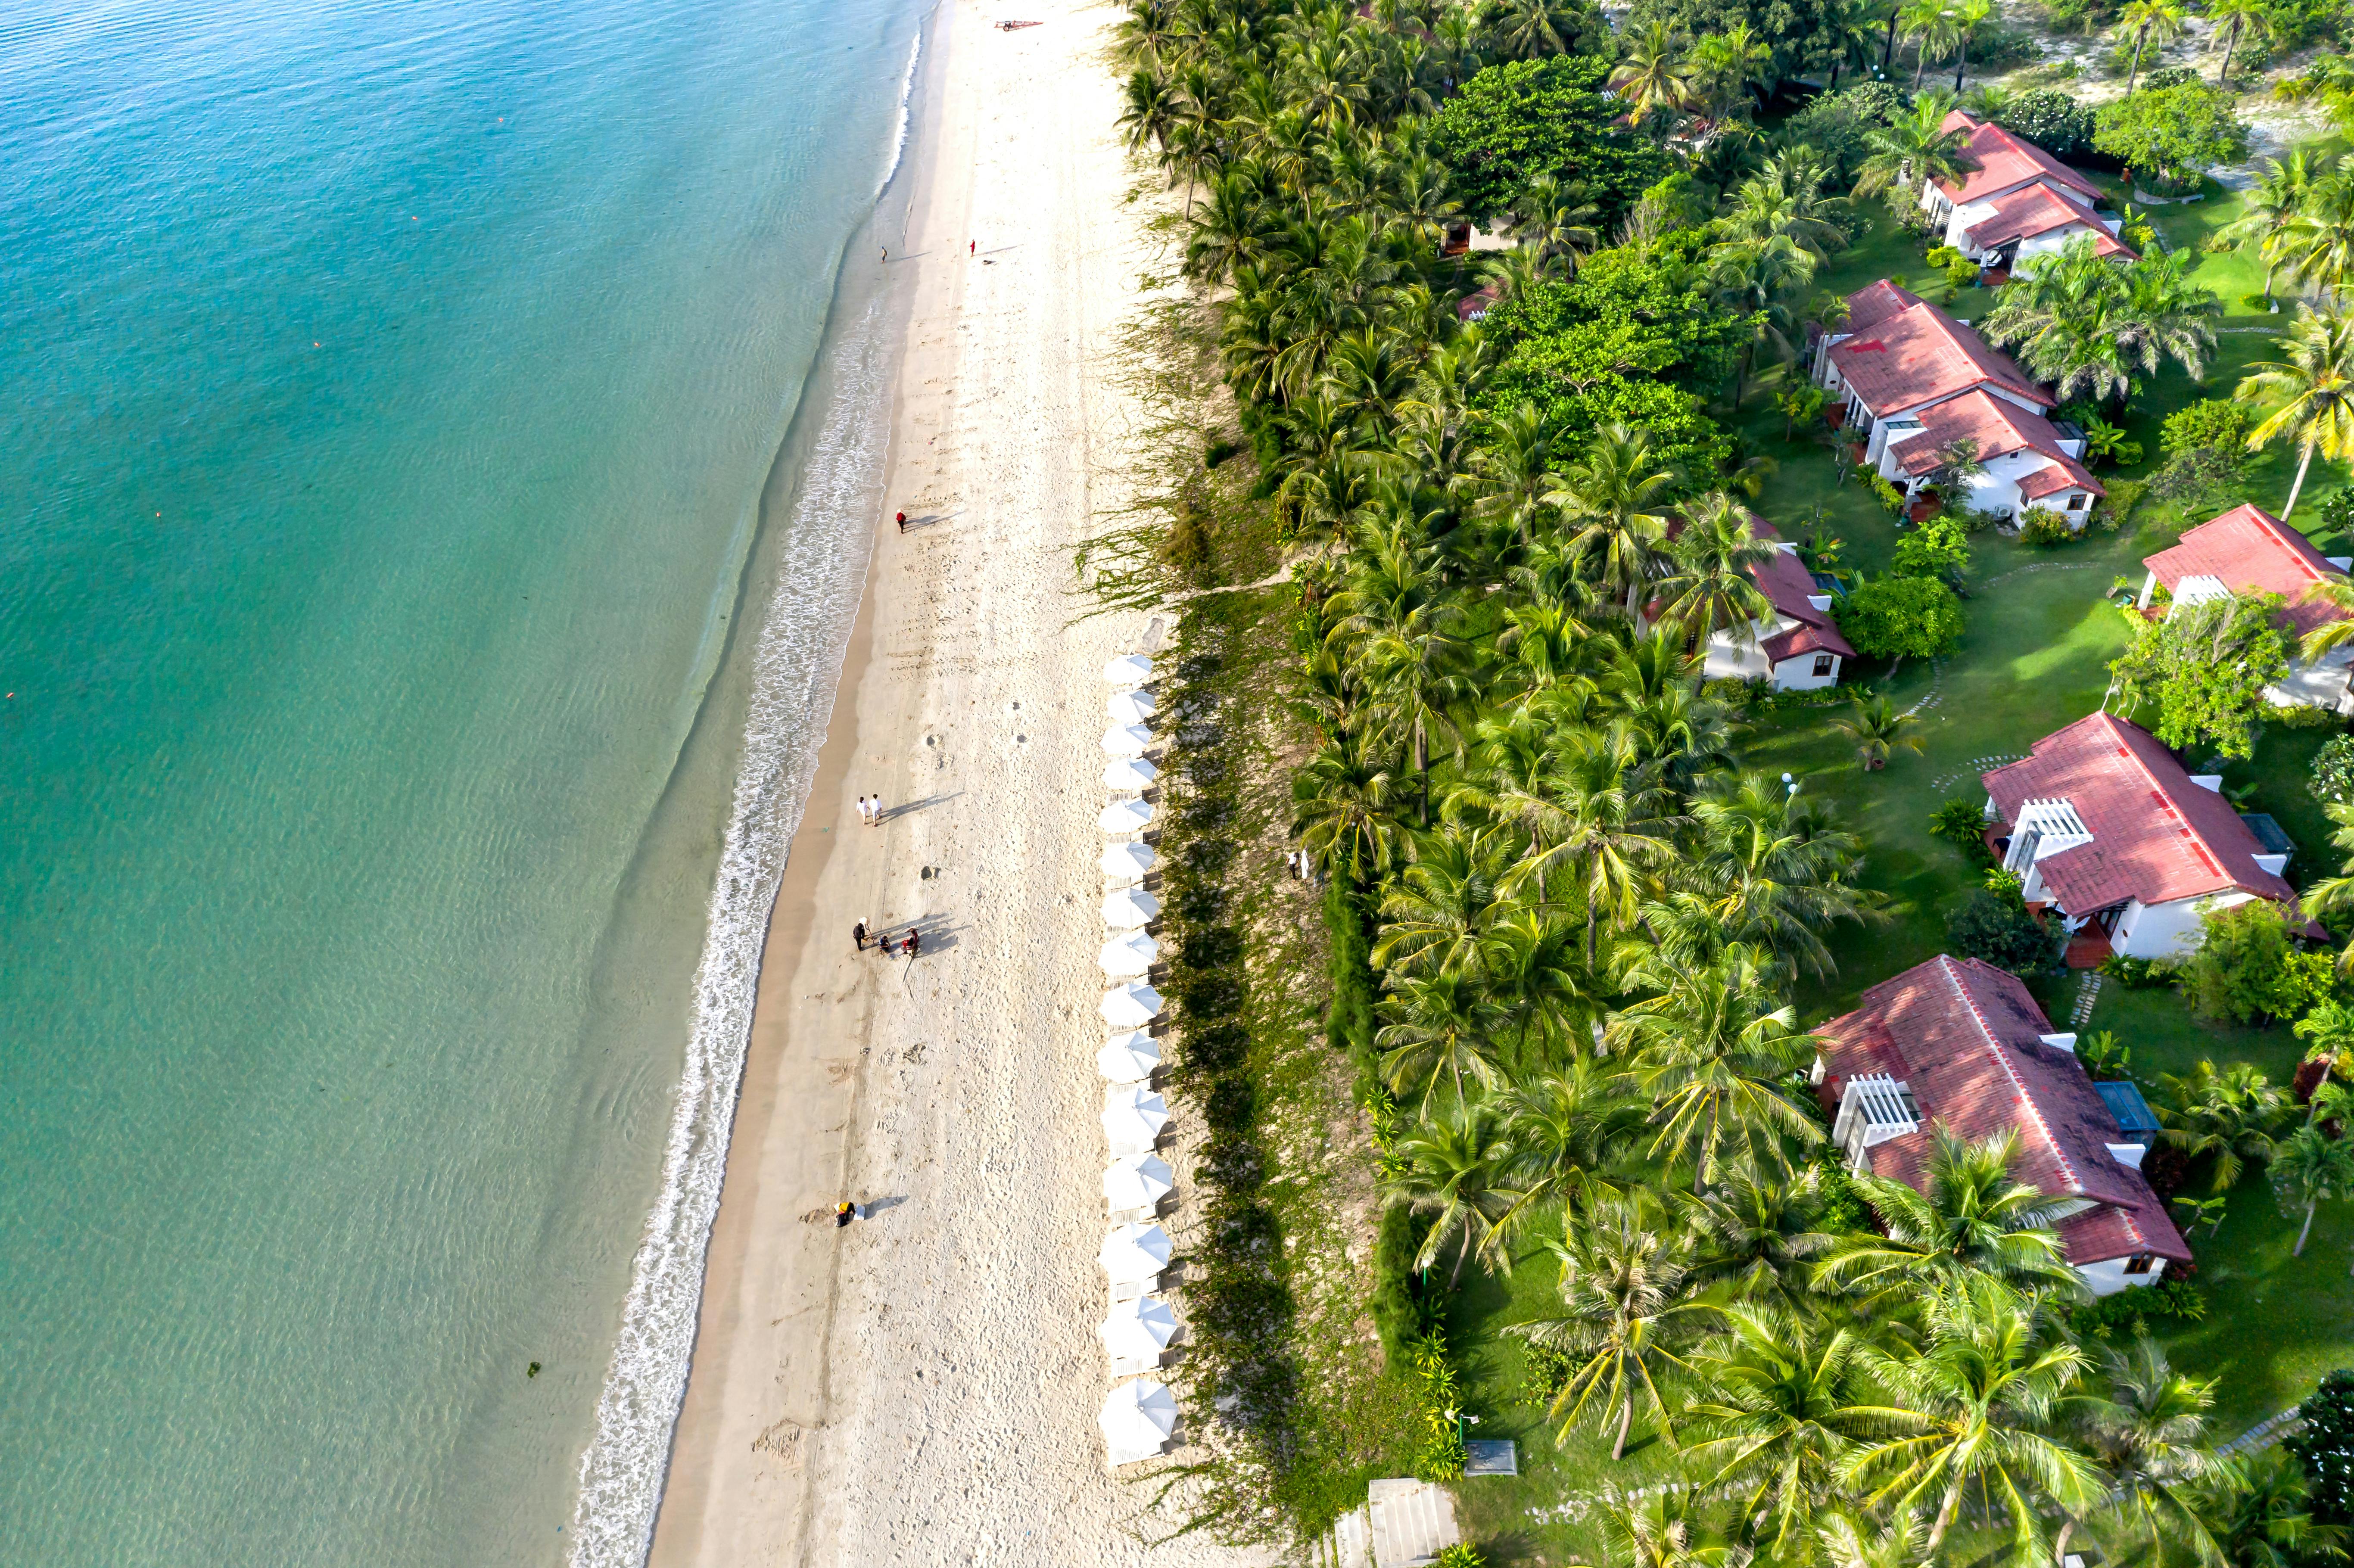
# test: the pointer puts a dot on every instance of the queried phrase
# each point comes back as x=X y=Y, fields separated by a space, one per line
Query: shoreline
x=921 y=1386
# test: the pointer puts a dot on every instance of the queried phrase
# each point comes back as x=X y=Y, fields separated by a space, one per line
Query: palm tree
x=1560 y=1126
x=1848 y=1540
x=2148 y=1438
x=2229 y=1114
x=1876 y=727
x=1928 y=24
x=2316 y=375
x=1663 y=1528
x=2332 y=893
x=1447 y=1168
x=1756 y=1237
x=2269 y=206
x=1516 y=463
x=1762 y=278
x=1969 y=15
x=1435 y=1033
x=1786 y=1406
x=2146 y=22
x=1623 y=1314
x=1845 y=36
x=1725 y=66
x=1772 y=869
x=1595 y=821
x=2063 y=311
x=1976 y=1403
x=1786 y=197
x=2233 y=21
x=2254 y=1508
x=1710 y=1054
x=1439 y=911
x=1610 y=498
x=1710 y=585
x=1912 y=147
x=2319 y=246
x=1149 y=108
x=1973 y=1218
x=2309 y=1167
x=1653 y=75
x=1345 y=808
x=1532 y=29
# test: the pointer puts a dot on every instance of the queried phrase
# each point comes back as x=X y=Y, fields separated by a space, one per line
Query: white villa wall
x=2109 y=1276
x=1738 y=659
x=2169 y=930
x=1996 y=490
x=1959 y=220
x=2321 y=683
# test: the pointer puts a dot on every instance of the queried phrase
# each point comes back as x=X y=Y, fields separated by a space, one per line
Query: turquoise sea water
x=390 y=390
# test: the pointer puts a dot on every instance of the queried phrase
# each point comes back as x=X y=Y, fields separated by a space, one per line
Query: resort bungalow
x=2248 y=550
x=2020 y=201
x=1957 y=1044
x=1794 y=648
x=2028 y=461
x=2107 y=828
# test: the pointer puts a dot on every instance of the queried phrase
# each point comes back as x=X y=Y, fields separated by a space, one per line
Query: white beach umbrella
x=1129 y=707
x=1131 y=1006
x=1127 y=740
x=1129 y=816
x=1126 y=908
x=1128 y=862
x=1129 y=1058
x=1129 y=773
x=1128 y=670
x=1125 y=957
x=1134 y=1255
x=1133 y=1116
x=1137 y=1182
x=1138 y=1329
x=1137 y=1419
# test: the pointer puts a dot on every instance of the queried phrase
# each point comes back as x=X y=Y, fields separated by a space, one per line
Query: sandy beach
x=922 y=1386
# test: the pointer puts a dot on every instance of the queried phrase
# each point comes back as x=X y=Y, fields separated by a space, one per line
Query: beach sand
x=921 y=1387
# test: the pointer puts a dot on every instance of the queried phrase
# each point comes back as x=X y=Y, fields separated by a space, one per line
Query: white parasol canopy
x=1138 y=1329
x=1128 y=862
x=1129 y=773
x=1131 y=1006
x=1137 y=1419
x=1124 y=958
x=1133 y=1116
x=1126 y=909
x=1137 y=1182
x=1129 y=1058
x=1129 y=816
x=1129 y=707
x=1127 y=740
x=1134 y=1255
x=1128 y=670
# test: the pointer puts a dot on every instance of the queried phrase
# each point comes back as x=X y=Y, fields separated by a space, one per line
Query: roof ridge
x=2207 y=852
x=2067 y=1169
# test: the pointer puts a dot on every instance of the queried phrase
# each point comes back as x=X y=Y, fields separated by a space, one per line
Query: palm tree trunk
x=1945 y=1512
x=1920 y=64
x=2060 y=1548
x=1465 y=1251
x=1626 y=1419
x=1835 y=70
x=2223 y=73
x=1888 y=50
x=1961 y=64
x=2305 y=1230
x=2136 y=72
x=2302 y=464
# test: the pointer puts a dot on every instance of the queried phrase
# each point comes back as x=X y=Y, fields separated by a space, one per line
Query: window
x=2077 y=502
x=1823 y=663
x=2139 y=1262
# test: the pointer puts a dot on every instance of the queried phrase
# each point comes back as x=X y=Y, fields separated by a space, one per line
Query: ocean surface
x=417 y=590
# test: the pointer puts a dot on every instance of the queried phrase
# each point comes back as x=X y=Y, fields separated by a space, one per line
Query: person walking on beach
x=873 y=810
x=912 y=944
x=843 y=1212
x=973 y=250
x=903 y=522
x=858 y=935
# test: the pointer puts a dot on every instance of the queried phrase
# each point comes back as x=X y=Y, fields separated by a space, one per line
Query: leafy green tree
x=2199 y=674
x=2002 y=930
x=2052 y=120
x=2247 y=968
x=2323 y=1442
x=2170 y=135
x=1898 y=619
x=1512 y=122
x=1936 y=548
x=1802 y=42
x=2229 y=1113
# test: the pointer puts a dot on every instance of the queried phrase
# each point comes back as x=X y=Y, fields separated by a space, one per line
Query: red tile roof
x=1999 y=428
x=1785 y=581
x=1965 y=1037
x=2253 y=552
x=1921 y=354
x=2005 y=162
x=2039 y=209
x=2156 y=837
x=1875 y=302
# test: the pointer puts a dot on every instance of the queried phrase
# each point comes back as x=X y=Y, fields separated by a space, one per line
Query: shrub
x=2104 y=1057
x=1962 y=823
x=2324 y=1446
x=2137 y=974
x=2129 y=1309
x=2247 y=967
x=1901 y=618
x=2002 y=931
x=2257 y=302
x=2209 y=425
x=1438 y=1456
x=2052 y=120
x=2125 y=495
x=1843 y=1207
x=2305 y=715
x=1886 y=493
x=1458 y=1556
x=2044 y=528
x=1732 y=691
x=1398 y=1315
x=1937 y=548
x=1544 y=1369
x=2333 y=770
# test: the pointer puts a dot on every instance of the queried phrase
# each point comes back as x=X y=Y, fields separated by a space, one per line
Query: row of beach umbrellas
x=1139 y=1413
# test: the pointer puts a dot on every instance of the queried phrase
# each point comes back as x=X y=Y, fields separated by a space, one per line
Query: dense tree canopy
x=1512 y=123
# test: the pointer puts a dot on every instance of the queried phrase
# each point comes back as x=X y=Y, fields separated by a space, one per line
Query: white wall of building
x=1996 y=490
x=2320 y=684
x=1743 y=659
x=2108 y=1277
x=2169 y=930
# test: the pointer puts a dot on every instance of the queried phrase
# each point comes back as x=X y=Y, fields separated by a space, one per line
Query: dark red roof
x=2156 y=836
x=2252 y=551
x=1999 y=428
x=1789 y=586
x=1965 y=1037
x=2004 y=161
x=1922 y=355
x=2039 y=209
x=1875 y=302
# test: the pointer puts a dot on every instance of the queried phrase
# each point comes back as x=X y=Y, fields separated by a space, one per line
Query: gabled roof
x=2039 y=209
x=2253 y=552
x=1921 y=354
x=1965 y=1037
x=2156 y=837
x=1999 y=428
x=1786 y=581
x=1875 y=302
x=2005 y=162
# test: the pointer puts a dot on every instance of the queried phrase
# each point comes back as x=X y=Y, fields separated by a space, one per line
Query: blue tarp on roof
x=2133 y=1112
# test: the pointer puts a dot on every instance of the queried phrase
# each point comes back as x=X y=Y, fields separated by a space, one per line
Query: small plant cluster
x=1962 y=823
x=1459 y=1555
x=2323 y=1445
x=2045 y=527
x=2333 y=771
x=2126 y=1313
x=1439 y=1401
x=2137 y=974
